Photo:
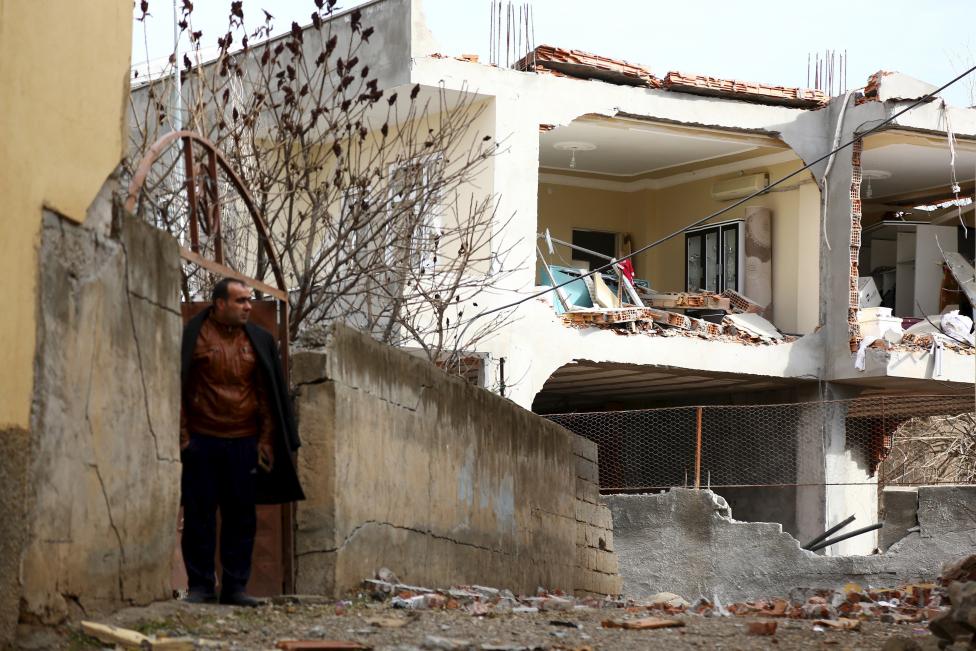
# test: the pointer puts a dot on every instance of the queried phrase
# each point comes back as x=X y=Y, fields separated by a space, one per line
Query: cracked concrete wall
x=685 y=541
x=102 y=459
x=409 y=468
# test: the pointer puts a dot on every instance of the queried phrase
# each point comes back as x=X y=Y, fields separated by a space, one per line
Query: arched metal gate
x=273 y=565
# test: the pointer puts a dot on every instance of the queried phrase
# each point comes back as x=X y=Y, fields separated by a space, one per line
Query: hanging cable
x=956 y=189
x=924 y=99
x=824 y=190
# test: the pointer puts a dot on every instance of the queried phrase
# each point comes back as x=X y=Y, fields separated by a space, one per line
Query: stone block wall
x=596 y=561
x=408 y=468
x=98 y=473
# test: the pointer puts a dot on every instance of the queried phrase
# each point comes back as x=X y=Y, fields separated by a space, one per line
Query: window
x=409 y=181
x=598 y=241
x=713 y=258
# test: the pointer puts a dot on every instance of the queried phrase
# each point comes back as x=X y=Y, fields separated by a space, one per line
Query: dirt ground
x=379 y=626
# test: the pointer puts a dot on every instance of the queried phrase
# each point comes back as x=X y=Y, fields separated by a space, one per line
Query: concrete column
x=836 y=475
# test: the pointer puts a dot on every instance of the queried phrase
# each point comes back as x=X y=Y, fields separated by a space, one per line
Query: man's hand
x=266 y=455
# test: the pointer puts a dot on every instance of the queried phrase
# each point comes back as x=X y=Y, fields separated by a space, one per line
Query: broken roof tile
x=584 y=65
x=745 y=90
x=547 y=59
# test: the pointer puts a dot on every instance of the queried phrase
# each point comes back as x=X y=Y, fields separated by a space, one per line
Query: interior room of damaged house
x=611 y=186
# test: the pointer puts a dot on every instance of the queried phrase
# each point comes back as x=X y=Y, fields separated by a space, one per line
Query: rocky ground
x=389 y=616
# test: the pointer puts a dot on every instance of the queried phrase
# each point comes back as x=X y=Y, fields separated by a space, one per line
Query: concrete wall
x=596 y=562
x=685 y=541
x=409 y=468
x=98 y=477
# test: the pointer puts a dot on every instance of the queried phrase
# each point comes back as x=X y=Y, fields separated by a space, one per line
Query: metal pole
x=828 y=532
x=698 y=446
x=177 y=90
x=841 y=538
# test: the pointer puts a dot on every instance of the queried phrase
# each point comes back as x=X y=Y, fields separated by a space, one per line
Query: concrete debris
x=895 y=86
x=668 y=600
x=746 y=328
x=436 y=643
x=958 y=623
x=754 y=325
x=843 y=608
x=961 y=570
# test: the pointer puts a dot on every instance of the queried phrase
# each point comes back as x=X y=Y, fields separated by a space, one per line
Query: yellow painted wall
x=650 y=214
x=563 y=208
x=64 y=71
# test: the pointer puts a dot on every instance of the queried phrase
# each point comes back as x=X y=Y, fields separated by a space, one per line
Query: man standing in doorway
x=237 y=437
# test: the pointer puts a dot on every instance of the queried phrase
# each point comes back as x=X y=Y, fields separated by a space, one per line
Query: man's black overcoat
x=281 y=484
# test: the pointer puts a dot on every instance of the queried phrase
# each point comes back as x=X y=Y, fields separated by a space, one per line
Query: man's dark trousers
x=219 y=473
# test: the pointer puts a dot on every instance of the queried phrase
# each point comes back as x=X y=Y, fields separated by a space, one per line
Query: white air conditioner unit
x=740 y=186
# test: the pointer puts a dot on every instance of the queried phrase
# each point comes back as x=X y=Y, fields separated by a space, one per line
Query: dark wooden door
x=272 y=560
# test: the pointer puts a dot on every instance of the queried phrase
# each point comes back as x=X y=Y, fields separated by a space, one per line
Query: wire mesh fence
x=893 y=440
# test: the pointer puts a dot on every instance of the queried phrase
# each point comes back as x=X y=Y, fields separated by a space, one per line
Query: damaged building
x=696 y=305
x=825 y=304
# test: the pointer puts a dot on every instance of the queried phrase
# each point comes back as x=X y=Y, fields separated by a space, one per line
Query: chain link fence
x=894 y=440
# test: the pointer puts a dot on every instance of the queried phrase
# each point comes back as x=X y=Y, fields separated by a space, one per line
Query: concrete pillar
x=758 y=284
x=834 y=477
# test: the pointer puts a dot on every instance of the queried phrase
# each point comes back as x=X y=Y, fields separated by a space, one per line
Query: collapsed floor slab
x=686 y=542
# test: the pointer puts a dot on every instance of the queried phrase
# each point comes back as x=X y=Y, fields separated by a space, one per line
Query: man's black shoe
x=241 y=599
x=200 y=597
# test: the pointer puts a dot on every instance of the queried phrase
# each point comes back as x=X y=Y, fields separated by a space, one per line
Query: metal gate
x=272 y=569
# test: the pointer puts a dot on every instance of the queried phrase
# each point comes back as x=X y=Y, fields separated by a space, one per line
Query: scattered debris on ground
x=392 y=616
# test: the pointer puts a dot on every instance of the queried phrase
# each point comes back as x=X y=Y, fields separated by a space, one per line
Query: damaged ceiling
x=587 y=384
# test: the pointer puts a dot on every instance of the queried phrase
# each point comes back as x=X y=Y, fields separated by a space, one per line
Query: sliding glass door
x=712 y=258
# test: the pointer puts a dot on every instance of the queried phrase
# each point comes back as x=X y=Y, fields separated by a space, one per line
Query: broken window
x=713 y=258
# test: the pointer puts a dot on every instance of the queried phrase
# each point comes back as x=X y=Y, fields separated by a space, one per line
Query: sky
x=764 y=41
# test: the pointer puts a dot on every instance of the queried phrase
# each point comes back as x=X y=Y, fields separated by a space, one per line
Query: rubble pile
x=739 y=327
x=957 y=625
x=920 y=602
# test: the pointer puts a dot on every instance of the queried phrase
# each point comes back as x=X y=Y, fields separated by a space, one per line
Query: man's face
x=236 y=309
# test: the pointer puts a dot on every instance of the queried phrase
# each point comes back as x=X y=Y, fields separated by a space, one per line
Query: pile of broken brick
x=742 y=321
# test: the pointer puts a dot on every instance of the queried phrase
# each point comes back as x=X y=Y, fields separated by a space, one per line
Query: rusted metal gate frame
x=212 y=208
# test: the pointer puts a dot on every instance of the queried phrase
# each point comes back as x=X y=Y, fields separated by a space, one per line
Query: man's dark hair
x=220 y=289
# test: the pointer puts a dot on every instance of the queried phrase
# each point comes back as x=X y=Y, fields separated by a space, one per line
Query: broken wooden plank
x=129 y=639
x=114 y=635
x=321 y=645
x=642 y=624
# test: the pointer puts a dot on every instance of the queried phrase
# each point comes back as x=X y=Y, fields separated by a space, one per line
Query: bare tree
x=933 y=450
x=371 y=197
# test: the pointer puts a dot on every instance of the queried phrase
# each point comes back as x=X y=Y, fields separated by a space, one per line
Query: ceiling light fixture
x=573 y=146
x=877 y=175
